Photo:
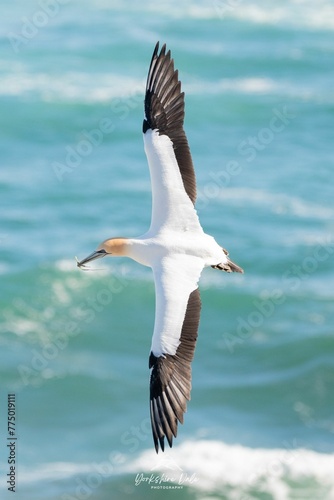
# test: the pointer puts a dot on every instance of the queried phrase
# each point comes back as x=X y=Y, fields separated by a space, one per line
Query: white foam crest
x=305 y=13
x=215 y=465
x=258 y=85
x=20 y=326
x=4 y=268
x=72 y=86
x=90 y=88
x=52 y=471
x=24 y=318
x=210 y=467
x=251 y=85
x=279 y=203
x=308 y=238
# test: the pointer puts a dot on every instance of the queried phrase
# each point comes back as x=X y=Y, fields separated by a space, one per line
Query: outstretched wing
x=166 y=146
x=177 y=317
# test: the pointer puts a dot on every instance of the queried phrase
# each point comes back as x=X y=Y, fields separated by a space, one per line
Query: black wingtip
x=146 y=126
x=162 y=443
x=155 y=51
x=156 y=444
x=170 y=381
x=164 y=111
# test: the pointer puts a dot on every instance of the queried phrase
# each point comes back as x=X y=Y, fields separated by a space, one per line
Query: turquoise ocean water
x=74 y=346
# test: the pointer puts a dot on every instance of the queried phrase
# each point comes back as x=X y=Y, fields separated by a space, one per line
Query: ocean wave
x=279 y=203
x=304 y=13
x=85 y=87
x=207 y=467
x=71 y=87
x=252 y=85
x=237 y=470
x=249 y=85
x=90 y=87
x=52 y=471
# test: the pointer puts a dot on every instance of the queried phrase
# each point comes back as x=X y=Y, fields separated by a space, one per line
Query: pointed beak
x=98 y=254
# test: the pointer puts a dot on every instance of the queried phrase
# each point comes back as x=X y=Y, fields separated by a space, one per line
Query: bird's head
x=114 y=247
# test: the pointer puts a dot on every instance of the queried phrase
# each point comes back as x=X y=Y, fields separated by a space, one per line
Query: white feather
x=175 y=247
x=175 y=278
x=171 y=206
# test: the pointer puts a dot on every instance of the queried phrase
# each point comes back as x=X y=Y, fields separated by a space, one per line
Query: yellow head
x=115 y=247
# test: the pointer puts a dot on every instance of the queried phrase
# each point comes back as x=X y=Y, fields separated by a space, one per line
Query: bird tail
x=229 y=266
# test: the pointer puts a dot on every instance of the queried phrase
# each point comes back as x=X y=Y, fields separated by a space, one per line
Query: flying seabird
x=175 y=247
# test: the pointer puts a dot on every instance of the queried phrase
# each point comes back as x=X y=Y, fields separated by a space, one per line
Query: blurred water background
x=258 y=79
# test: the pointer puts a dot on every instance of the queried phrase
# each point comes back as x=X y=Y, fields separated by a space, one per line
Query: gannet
x=175 y=247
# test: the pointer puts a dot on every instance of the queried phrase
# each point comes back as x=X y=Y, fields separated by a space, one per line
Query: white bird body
x=173 y=253
x=175 y=247
x=150 y=249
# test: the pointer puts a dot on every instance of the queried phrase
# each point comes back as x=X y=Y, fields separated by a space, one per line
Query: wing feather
x=164 y=111
x=170 y=383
